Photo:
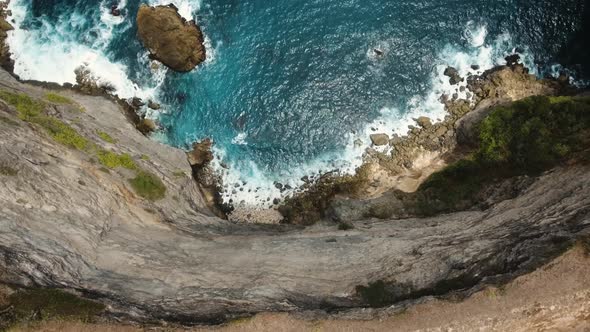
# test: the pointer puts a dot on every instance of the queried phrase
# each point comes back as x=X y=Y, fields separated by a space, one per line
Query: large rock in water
x=170 y=38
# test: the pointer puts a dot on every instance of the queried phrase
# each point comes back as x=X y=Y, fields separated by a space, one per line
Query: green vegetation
x=30 y=110
x=148 y=186
x=375 y=294
x=26 y=107
x=61 y=132
x=7 y=170
x=106 y=137
x=114 y=160
x=53 y=303
x=58 y=99
x=144 y=157
x=526 y=137
x=344 y=226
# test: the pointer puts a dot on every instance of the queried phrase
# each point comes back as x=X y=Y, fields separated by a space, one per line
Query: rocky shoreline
x=428 y=147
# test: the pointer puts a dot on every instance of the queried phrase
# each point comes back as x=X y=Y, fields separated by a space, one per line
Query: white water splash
x=47 y=54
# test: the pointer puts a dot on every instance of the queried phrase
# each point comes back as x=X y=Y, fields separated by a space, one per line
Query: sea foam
x=49 y=54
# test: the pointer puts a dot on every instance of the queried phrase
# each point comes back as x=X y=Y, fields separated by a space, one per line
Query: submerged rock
x=170 y=38
x=379 y=139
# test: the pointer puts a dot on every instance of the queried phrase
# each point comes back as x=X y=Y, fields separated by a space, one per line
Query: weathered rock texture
x=66 y=223
x=170 y=38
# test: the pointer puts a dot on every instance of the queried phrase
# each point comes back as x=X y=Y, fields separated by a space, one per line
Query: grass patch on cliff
x=58 y=99
x=43 y=303
x=61 y=132
x=148 y=186
x=525 y=137
x=106 y=137
x=113 y=160
x=31 y=110
x=26 y=106
x=7 y=170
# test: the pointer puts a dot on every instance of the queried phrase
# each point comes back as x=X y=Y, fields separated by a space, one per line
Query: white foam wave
x=48 y=53
x=240 y=139
x=186 y=8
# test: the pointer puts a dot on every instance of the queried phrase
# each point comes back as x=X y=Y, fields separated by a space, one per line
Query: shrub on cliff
x=525 y=137
x=32 y=111
x=148 y=186
x=52 y=303
x=535 y=133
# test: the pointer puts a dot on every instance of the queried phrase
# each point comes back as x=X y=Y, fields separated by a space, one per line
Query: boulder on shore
x=201 y=154
x=379 y=139
x=170 y=38
x=453 y=74
x=424 y=122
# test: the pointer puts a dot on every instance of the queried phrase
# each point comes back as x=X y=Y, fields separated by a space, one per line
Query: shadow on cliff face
x=575 y=54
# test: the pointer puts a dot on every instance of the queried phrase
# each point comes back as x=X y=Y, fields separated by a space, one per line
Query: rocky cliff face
x=72 y=217
x=170 y=38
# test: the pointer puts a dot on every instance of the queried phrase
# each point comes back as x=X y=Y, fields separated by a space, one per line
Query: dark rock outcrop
x=453 y=74
x=170 y=38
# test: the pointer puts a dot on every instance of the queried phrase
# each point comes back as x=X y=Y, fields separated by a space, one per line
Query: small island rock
x=170 y=39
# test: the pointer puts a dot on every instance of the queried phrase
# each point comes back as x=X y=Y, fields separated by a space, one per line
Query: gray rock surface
x=65 y=223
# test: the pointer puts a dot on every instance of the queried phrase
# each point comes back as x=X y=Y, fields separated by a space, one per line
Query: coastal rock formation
x=71 y=218
x=379 y=139
x=170 y=38
x=453 y=74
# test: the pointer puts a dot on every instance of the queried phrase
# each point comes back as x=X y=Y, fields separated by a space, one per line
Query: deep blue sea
x=290 y=86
